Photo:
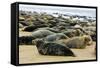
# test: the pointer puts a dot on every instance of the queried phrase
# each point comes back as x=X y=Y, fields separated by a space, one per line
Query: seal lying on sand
x=50 y=29
x=78 y=42
x=56 y=36
x=25 y=40
x=73 y=32
x=36 y=34
x=41 y=33
x=24 y=23
x=20 y=25
x=54 y=49
x=93 y=36
x=33 y=27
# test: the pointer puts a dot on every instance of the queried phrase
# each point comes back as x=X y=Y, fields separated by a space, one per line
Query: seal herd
x=56 y=35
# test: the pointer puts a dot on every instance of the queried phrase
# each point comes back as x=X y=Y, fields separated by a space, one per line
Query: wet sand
x=29 y=54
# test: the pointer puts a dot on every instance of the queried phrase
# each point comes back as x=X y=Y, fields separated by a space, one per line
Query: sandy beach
x=33 y=25
x=29 y=54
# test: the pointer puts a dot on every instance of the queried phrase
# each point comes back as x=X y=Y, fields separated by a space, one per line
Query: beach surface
x=29 y=54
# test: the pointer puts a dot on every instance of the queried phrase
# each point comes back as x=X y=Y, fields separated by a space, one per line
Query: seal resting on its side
x=33 y=27
x=20 y=25
x=73 y=32
x=78 y=42
x=54 y=49
x=55 y=37
x=25 y=40
x=41 y=33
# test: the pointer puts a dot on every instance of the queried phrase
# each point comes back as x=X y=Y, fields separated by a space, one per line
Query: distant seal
x=41 y=33
x=54 y=49
x=73 y=32
x=21 y=18
x=78 y=42
x=29 y=40
x=69 y=33
x=20 y=25
x=93 y=36
x=25 y=40
x=55 y=37
x=50 y=29
x=33 y=27
x=24 y=23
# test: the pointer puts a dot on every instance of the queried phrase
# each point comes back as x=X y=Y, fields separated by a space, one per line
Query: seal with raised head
x=54 y=49
x=78 y=42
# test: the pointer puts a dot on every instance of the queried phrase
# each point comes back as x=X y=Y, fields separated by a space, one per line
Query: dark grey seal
x=25 y=40
x=33 y=27
x=54 y=49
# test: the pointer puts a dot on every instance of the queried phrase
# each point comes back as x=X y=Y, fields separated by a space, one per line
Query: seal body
x=20 y=25
x=25 y=40
x=56 y=36
x=33 y=27
x=73 y=32
x=53 y=49
x=79 y=42
x=41 y=33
